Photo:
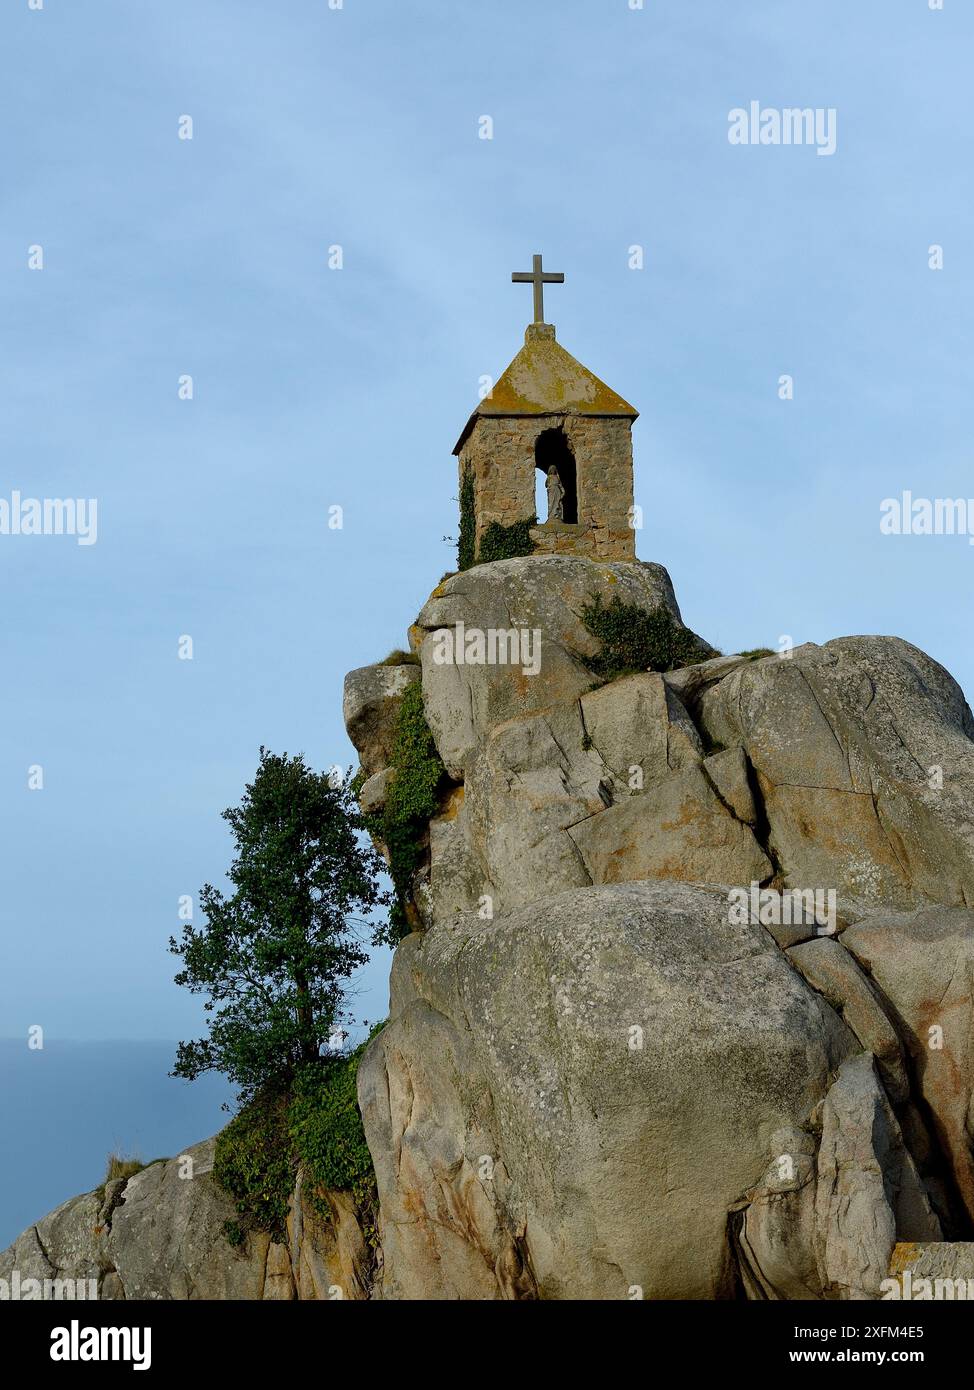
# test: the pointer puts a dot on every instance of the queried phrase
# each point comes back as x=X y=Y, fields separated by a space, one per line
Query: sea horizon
x=70 y=1104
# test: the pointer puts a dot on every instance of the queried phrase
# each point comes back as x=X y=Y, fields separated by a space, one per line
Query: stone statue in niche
x=556 y=495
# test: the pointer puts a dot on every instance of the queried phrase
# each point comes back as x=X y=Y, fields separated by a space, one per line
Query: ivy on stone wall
x=506 y=542
x=498 y=542
x=468 y=522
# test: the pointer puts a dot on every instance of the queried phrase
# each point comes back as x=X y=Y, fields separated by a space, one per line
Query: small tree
x=274 y=957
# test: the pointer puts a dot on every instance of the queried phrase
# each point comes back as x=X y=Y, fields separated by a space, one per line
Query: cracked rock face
x=543 y=594
x=811 y=771
x=370 y=704
x=591 y=1081
x=923 y=966
x=862 y=754
x=160 y=1235
x=833 y=1202
x=581 y=1091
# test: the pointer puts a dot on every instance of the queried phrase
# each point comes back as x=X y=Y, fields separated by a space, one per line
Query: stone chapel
x=548 y=412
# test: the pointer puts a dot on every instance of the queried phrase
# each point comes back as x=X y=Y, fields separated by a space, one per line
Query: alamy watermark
x=925 y=516
x=77 y=1343
x=793 y=907
x=18 y=1290
x=493 y=646
x=908 y=1287
x=50 y=516
x=786 y=125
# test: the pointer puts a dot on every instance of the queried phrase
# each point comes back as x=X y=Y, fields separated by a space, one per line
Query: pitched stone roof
x=544 y=379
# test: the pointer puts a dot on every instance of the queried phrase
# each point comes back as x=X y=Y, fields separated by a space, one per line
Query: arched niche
x=552 y=450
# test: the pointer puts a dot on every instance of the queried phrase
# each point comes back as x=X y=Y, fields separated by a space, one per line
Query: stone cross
x=538 y=278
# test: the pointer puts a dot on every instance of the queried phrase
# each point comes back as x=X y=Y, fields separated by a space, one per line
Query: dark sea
x=64 y=1109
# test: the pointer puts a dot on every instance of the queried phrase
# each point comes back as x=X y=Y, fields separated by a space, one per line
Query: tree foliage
x=275 y=956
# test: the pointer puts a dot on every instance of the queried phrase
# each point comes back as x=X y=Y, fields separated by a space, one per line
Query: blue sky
x=316 y=387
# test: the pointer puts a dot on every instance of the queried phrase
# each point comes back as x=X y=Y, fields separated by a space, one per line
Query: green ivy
x=468 y=522
x=506 y=542
x=637 y=639
x=498 y=542
x=410 y=802
x=415 y=761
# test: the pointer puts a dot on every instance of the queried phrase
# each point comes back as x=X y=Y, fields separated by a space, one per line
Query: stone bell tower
x=548 y=412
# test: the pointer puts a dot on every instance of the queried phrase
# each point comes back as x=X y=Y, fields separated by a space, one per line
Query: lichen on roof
x=544 y=379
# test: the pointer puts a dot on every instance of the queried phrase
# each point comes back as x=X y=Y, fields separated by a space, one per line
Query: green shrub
x=506 y=542
x=234 y=1233
x=325 y=1128
x=755 y=653
x=468 y=522
x=317 y=1125
x=254 y=1163
x=637 y=639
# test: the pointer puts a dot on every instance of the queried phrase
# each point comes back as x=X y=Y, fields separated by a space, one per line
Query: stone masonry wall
x=500 y=454
x=603 y=462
